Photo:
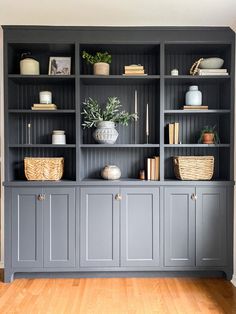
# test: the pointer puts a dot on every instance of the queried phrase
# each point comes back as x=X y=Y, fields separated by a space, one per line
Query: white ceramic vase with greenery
x=100 y=61
x=105 y=120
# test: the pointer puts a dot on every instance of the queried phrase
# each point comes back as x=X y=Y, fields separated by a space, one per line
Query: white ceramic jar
x=29 y=66
x=111 y=172
x=58 y=137
x=193 y=97
x=45 y=97
x=105 y=132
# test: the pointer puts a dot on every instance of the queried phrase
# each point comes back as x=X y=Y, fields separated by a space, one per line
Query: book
x=176 y=133
x=44 y=105
x=149 y=168
x=211 y=74
x=152 y=170
x=130 y=74
x=171 y=133
x=212 y=70
x=195 y=107
x=133 y=67
x=32 y=108
x=157 y=168
x=133 y=72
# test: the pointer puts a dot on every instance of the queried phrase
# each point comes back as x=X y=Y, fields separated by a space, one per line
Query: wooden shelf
x=197 y=145
x=196 y=77
x=115 y=79
x=41 y=76
x=29 y=111
x=119 y=145
x=192 y=111
x=41 y=146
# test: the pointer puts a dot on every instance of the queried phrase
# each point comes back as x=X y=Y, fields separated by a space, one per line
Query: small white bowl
x=211 y=63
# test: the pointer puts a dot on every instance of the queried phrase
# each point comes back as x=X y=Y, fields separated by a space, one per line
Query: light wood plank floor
x=118 y=295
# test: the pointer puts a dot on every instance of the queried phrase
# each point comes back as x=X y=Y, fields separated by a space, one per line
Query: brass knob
x=41 y=197
x=118 y=197
x=194 y=197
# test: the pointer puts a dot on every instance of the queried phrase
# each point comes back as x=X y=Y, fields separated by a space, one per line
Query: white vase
x=193 y=97
x=111 y=172
x=105 y=133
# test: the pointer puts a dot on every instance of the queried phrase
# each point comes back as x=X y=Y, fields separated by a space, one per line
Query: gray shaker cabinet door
x=211 y=226
x=140 y=227
x=99 y=227
x=59 y=227
x=179 y=216
x=27 y=228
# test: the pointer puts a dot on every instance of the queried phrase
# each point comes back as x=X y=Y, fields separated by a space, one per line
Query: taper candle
x=136 y=104
x=147 y=121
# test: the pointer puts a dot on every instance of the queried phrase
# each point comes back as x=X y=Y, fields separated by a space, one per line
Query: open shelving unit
x=164 y=94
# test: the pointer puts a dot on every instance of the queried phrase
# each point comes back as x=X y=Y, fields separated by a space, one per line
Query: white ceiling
x=119 y=12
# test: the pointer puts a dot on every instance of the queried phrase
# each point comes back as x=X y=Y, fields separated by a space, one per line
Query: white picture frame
x=59 y=66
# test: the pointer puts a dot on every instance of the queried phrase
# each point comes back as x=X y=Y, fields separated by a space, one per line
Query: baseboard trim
x=234 y=280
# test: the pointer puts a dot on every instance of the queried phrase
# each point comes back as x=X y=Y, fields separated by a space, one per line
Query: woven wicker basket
x=41 y=168
x=194 y=167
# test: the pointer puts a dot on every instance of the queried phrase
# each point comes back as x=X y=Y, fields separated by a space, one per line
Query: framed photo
x=59 y=66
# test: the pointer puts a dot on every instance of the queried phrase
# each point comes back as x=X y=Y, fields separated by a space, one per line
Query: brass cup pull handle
x=194 y=197
x=118 y=197
x=41 y=197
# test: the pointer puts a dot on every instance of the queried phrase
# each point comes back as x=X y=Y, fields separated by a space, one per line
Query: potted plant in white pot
x=105 y=120
x=101 y=62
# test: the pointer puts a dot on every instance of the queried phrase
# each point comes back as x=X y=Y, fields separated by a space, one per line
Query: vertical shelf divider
x=77 y=111
x=162 y=107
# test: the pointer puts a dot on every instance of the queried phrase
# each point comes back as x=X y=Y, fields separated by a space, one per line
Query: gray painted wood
x=27 y=228
x=59 y=227
x=99 y=227
x=179 y=211
x=211 y=224
x=140 y=227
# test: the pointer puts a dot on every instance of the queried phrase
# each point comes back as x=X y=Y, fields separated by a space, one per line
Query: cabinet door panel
x=211 y=226
x=59 y=227
x=140 y=227
x=27 y=237
x=179 y=215
x=99 y=227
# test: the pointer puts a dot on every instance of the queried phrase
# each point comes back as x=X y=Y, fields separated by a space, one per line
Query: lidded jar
x=111 y=172
x=28 y=64
x=58 y=137
x=193 y=96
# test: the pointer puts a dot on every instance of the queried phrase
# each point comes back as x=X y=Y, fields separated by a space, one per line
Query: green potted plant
x=209 y=135
x=100 y=61
x=105 y=119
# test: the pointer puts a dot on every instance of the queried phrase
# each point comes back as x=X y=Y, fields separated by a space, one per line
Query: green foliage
x=212 y=130
x=93 y=113
x=98 y=57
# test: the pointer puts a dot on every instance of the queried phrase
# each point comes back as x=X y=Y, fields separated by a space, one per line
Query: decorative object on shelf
x=29 y=133
x=59 y=66
x=100 y=61
x=28 y=64
x=193 y=97
x=141 y=175
x=208 y=63
x=153 y=168
x=44 y=107
x=58 y=137
x=105 y=120
x=136 y=127
x=195 y=107
x=209 y=135
x=193 y=167
x=147 y=124
x=134 y=69
x=175 y=72
x=111 y=172
x=210 y=72
x=45 y=97
x=44 y=169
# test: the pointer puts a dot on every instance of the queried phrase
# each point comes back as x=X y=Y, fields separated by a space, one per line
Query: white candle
x=136 y=104
x=45 y=97
x=147 y=121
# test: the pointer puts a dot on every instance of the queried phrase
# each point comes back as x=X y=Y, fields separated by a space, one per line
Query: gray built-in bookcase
x=159 y=50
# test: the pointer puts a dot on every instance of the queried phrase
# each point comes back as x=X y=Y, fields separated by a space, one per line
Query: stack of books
x=134 y=70
x=173 y=133
x=153 y=166
x=195 y=107
x=44 y=107
x=212 y=72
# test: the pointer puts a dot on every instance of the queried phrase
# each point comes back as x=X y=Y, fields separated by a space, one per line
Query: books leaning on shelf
x=44 y=107
x=195 y=107
x=173 y=133
x=212 y=72
x=153 y=168
x=134 y=70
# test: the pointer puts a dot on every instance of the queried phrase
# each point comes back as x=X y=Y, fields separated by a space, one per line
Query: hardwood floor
x=118 y=295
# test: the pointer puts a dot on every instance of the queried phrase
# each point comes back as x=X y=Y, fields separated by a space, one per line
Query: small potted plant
x=209 y=135
x=100 y=61
x=105 y=119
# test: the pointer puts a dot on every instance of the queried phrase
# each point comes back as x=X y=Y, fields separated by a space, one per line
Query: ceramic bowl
x=211 y=63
